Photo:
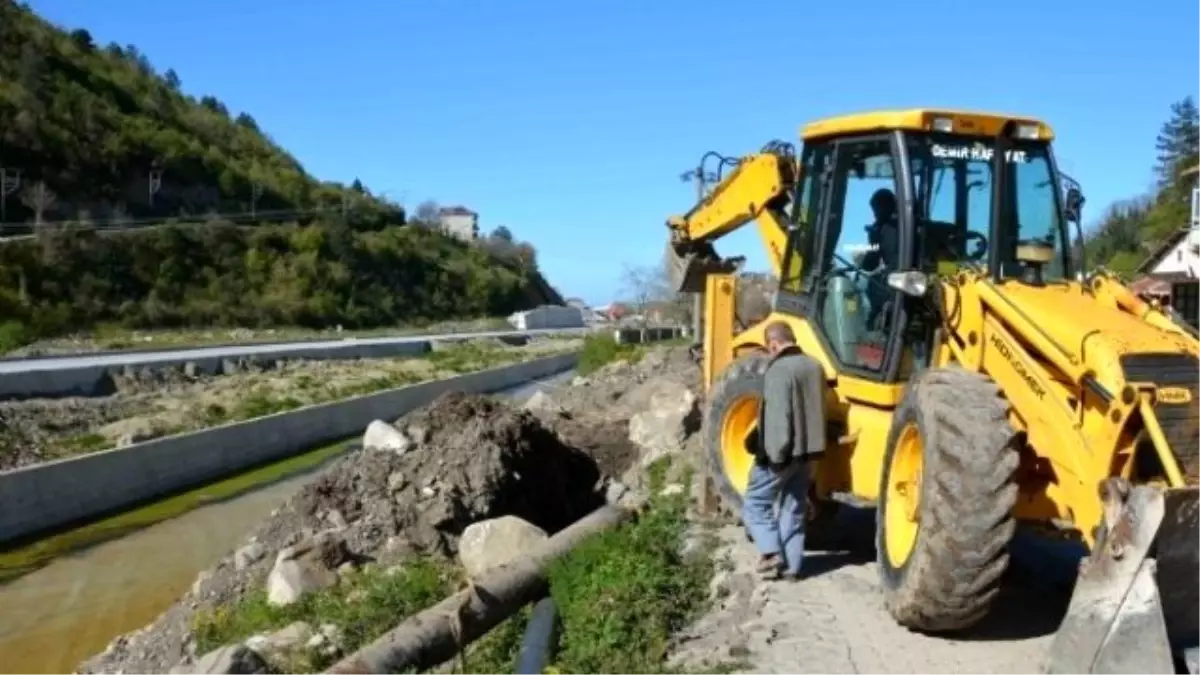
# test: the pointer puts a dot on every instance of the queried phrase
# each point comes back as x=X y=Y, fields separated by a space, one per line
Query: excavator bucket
x=684 y=272
x=1117 y=620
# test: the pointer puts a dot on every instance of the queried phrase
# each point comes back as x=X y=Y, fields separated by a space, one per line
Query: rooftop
x=918 y=119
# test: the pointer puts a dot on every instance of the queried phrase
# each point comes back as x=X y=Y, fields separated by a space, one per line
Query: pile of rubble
x=471 y=477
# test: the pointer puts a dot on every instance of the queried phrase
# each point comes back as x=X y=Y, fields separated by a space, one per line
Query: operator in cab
x=791 y=431
x=884 y=236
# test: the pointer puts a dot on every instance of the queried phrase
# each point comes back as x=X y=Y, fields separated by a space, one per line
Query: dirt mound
x=612 y=394
x=474 y=458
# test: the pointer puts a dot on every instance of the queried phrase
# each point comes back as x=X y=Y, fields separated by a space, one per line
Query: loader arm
x=759 y=188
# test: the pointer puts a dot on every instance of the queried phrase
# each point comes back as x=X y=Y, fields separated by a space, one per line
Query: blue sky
x=570 y=121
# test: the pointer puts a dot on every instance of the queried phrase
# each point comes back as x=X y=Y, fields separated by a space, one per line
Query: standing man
x=791 y=430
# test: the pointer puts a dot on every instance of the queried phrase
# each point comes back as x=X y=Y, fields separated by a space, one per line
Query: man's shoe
x=769 y=566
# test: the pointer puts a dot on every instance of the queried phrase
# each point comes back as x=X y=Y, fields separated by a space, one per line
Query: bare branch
x=39 y=198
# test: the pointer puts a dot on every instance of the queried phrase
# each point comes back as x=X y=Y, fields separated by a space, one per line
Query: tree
x=642 y=286
x=245 y=121
x=427 y=212
x=1178 y=141
x=357 y=186
x=527 y=255
x=502 y=233
x=83 y=39
x=40 y=199
x=172 y=80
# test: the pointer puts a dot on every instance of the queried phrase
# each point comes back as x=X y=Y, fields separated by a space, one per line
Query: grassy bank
x=602 y=349
x=621 y=596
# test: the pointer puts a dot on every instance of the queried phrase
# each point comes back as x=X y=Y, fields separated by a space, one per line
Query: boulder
x=230 y=659
x=248 y=555
x=488 y=544
x=541 y=402
x=309 y=565
x=663 y=425
x=289 y=638
x=382 y=436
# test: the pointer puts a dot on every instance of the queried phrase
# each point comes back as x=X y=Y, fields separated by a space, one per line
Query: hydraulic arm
x=759 y=188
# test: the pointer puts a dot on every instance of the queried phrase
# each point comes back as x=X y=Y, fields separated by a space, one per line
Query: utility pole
x=702 y=181
x=256 y=190
x=10 y=182
x=154 y=184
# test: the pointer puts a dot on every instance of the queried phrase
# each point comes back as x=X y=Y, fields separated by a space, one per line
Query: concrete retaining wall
x=63 y=492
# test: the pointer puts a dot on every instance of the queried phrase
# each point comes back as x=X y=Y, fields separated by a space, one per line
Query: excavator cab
x=943 y=184
x=977 y=380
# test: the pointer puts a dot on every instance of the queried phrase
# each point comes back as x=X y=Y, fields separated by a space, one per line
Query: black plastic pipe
x=541 y=637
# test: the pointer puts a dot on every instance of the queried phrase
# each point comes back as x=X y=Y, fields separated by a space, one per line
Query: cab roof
x=967 y=122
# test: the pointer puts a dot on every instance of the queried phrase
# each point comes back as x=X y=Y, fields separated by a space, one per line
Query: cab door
x=841 y=288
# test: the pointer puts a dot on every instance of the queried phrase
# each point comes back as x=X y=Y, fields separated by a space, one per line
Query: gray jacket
x=791 y=420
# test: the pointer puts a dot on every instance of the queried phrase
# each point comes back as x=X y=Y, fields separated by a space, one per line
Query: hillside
x=95 y=124
x=104 y=141
x=1130 y=230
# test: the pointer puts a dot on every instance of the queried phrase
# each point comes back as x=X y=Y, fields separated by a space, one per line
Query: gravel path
x=833 y=621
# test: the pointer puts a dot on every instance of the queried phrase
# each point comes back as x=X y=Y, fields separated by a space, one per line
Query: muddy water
x=53 y=618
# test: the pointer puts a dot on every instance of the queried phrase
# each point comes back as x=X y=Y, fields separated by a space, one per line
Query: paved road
x=834 y=622
x=124 y=358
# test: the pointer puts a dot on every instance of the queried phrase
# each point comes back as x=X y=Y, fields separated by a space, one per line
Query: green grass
x=601 y=350
x=365 y=606
x=621 y=596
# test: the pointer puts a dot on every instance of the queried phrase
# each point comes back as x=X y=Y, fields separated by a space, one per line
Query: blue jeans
x=783 y=533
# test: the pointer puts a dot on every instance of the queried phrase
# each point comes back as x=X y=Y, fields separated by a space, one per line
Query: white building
x=459 y=222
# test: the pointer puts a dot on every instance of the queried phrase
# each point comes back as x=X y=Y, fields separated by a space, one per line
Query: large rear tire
x=946 y=501
x=731 y=413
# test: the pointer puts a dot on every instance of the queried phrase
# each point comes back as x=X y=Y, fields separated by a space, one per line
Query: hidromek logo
x=1006 y=351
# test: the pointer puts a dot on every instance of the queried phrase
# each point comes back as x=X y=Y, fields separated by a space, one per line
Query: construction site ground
x=144 y=404
x=590 y=441
x=833 y=621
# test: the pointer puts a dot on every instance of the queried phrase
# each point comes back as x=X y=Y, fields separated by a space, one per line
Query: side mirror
x=1074 y=205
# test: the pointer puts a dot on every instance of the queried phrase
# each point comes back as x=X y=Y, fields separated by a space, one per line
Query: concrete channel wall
x=62 y=492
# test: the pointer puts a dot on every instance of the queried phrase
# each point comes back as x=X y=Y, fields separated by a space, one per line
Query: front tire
x=946 y=501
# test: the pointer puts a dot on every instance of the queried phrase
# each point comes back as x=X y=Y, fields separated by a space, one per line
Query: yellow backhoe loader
x=978 y=378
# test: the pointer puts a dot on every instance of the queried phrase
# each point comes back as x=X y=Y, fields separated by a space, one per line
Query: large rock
x=230 y=659
x=382 y=436
x=662 y=427
x=287 y=639
x=308 y=566
x=488 y=544
x=541 y=402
